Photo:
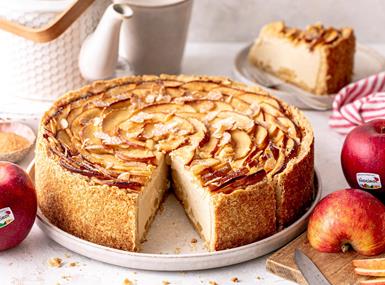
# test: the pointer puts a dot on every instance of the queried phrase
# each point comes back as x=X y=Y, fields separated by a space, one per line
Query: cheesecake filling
x=267 y=52
x=196 y=200
x=151 y=197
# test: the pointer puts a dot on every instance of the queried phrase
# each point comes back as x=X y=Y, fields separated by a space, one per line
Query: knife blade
x=309 y=270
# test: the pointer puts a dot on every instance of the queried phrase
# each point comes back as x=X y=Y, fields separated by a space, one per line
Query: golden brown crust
x=108 y=215
x=339 y=63
x=98 y=213
x=244 y=216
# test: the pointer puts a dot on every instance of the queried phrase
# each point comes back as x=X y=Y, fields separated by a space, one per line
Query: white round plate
x=366 y=62
x=168 y=246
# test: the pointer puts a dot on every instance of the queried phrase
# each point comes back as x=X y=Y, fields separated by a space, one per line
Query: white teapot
x=149 y=34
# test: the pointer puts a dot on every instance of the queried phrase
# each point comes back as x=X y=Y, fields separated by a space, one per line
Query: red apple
x=363 y=157
x=349 y=217
x=18 y=205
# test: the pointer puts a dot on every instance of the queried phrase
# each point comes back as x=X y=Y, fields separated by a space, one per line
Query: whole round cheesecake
x=241 y=161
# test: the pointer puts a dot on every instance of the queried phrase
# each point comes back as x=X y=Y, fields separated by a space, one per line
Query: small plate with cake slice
x=306 y=68
x=240 y=161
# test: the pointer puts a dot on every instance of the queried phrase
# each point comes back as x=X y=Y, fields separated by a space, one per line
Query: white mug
x=153 y=39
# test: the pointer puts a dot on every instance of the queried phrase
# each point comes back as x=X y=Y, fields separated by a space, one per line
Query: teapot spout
x=99 y=52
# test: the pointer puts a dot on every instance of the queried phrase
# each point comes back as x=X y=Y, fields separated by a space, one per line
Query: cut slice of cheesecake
x=317 y=59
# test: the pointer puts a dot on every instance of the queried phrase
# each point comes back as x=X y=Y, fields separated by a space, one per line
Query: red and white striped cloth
x=358 y=103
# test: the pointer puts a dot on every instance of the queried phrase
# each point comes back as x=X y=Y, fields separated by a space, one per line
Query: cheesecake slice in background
x=317 y=59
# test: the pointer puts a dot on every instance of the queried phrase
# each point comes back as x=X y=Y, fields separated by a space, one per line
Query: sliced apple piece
x=242 y=122
x=215 y=173
x=375 y=281
x=201 y=135
x=171 y=143
x=279 y=163
x=87 y=135
x=136 y=154
x=240 y=105
x=168 y=108
x=174 y=92
x=83 y=118
x=207 y=149
x=173 y=125
x=198 y=165
x=370 y=263
x=229 y=91
x=242 y=143
x=261 y=136
x=369 y=272
x=202 y=106
x=199 y=85
x=185 y=154
x=288 y=126
x=259 y=98
x=225 y=152
x=222 y=106
x=199 y=116
x=145 y=117
x=290 y=147
x=272 y=110
x=112 y=120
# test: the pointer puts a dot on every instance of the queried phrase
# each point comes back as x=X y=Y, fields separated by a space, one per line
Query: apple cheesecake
x=239 y=160
x=317 y=59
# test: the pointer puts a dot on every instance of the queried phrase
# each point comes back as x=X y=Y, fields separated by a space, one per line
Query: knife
x=309 y=270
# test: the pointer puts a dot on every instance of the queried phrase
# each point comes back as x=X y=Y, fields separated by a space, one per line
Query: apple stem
x=345 y=247
x=382 y=130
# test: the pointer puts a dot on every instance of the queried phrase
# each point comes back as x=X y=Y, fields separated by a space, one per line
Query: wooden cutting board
x=337 y=267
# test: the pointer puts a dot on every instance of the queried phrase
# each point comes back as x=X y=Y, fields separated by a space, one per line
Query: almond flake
x=223 y=125
x=141 y=117
x=124 y=176
x=210 y=116
x=150 y=98
x=184 y=99
x=97 y=121
x=214 y=95
x=162 y=129
x=63 y=123
x=226 y=138
x=110 y=140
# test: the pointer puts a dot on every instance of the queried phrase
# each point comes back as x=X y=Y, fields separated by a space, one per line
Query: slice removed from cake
x=317 y=59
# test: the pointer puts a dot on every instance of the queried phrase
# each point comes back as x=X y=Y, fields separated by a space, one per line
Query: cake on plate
x=317 y=59
x=241 y=161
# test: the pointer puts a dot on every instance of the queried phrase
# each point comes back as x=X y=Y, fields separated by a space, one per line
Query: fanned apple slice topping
x=228 y=136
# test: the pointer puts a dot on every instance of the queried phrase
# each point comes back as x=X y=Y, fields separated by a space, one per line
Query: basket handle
x=53 y=29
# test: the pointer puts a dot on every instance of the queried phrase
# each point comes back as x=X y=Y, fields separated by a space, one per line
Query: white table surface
x=27 y=264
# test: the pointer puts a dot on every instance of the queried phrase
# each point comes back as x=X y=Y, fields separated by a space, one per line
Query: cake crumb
x=259 y=278
x=235 y=280
x=55 y=262
x=193 y=240
x=165 y=282
x=177 y=250
x=67 y=255
x=66 y=277
x=213 y=283
x=161 y=209
x=127 y=281
x=73 y=264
